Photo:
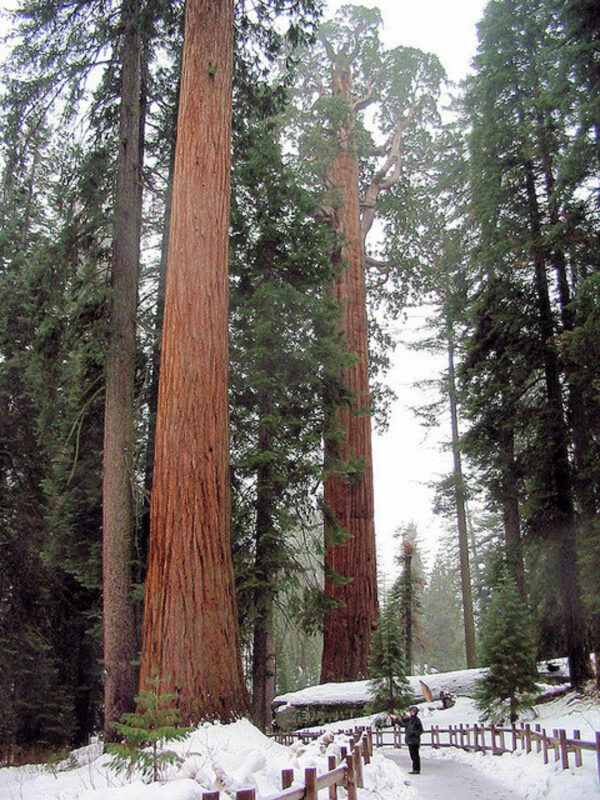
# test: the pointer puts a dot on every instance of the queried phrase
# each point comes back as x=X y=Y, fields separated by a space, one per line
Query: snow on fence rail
x=348 y=773
x=489 y=738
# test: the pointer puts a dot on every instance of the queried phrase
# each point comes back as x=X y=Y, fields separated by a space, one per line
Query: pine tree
x=144 y=733
x=443 y=647
x=407 y=590
x=388 y=684
x=518 y=167
x=508 y=652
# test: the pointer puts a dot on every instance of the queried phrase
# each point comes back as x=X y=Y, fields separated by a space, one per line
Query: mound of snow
x=222 y=758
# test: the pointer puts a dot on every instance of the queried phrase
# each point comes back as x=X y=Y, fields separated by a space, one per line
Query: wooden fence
x=347 y=773
x=483 y=738
x=497 y=740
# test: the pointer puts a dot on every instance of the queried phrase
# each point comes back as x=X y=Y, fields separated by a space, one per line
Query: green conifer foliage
x=443 y=646
x=388 y=683
x=508 y=651
x=145 y=733
x=284 y=357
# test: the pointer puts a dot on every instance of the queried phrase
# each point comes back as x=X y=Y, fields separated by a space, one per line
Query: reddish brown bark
x=348 y=627
x=190 y=629
x=118 y=516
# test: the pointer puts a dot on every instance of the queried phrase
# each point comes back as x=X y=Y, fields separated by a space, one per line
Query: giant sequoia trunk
x=190 y=632
x=118 y=514
x=348 y=497
x=561 y=509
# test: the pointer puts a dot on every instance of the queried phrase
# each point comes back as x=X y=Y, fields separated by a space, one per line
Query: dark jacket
x=414 y=729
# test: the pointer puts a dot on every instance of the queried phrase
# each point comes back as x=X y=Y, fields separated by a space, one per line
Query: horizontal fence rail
x=348 y=773
x=497 y=740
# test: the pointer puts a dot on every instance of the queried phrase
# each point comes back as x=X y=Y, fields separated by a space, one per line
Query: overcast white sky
x=406 y=458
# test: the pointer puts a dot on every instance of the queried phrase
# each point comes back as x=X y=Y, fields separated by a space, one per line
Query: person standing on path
x=412 y=736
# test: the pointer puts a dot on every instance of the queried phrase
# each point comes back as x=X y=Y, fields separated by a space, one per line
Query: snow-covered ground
x=523 y=775
x=215 y=757
x=238 y=756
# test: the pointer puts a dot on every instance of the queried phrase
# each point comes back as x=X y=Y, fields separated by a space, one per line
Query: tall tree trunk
x=263 y=656
x=583 y=484
x=349 y=498
x=564 y=515
x=156 y=350
x=509 y=501
x=407 y=602
x=190 y=632
x=461 y=517
x=118 y=510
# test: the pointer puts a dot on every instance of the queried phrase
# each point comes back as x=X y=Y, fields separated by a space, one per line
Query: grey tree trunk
x=461 y=517
x=118 y=510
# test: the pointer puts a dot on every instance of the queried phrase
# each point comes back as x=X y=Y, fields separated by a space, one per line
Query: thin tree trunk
x=408 y=605
x=564 y=516
x=263 y=663
x=509 y=500
x=349 y=498
x=118 y=510
x=461 y=517
x=190 y=633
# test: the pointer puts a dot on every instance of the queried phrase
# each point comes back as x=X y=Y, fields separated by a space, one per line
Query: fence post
x=343 y=752
x=598 y=752
x=578 y=759
x=502 y=740
x=246 y=794
x=310 y=780
x=366 y=749
x=555 y=743
x=378 y=737
x=287 y=778
x=514 y=736
x=358 y=771
x=545 y=746
x=493 y=733
x=333 y=787
x=564 y=752
x=527 y=738
x=350 y=780
x=538 y=738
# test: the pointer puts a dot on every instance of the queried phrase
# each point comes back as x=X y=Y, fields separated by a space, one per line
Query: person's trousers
x=413 y=749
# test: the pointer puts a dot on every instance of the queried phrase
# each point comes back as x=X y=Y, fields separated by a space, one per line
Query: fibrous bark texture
x=118 y=516
x=190 y=629
x=348 y=626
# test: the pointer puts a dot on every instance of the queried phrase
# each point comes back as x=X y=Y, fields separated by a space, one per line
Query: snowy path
x=443 y=778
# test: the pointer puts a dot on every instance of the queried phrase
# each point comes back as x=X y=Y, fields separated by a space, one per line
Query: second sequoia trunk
x=348 y=490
